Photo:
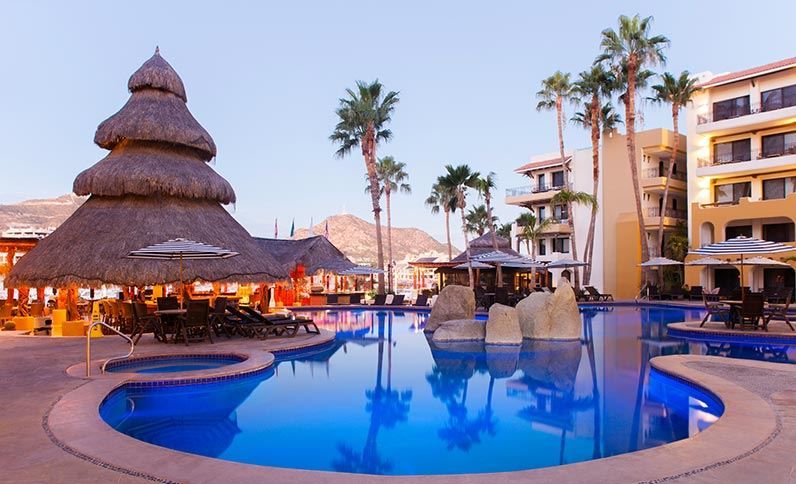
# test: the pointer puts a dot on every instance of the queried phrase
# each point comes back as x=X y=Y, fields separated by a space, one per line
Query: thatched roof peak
x=156 y=73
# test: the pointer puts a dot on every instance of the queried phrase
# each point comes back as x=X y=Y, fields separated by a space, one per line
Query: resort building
x=617 y=247
x=742 y=168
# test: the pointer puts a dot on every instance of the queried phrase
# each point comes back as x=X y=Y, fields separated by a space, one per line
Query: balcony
x=750 y=119
x=654 y=180
x=530 y=194
x=717 y=216
x=556 y=227
x=671 y=217
x=753 y=162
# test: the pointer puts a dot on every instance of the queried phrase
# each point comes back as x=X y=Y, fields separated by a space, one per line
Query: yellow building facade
x=742 y=168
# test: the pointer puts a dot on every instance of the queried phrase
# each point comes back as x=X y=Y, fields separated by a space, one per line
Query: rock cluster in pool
x=539 y=316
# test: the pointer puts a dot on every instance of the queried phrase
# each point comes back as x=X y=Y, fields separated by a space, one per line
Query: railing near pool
x=88 y=346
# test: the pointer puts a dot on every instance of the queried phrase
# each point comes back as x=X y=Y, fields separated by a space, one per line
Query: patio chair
x=356 y=298
x=751 y=311
x=502 y=296
x=166 y=303
x=217 y=315
x=597 y=295
x=126 y=317
x=144 y=323
x=195 y=325
x=779 y=312
x=714 y=307
x=380 y=299
x=422 y=300
x=695 y=293
x=397 y=300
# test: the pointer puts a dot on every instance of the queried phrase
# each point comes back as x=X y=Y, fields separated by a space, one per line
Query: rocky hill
x=43 y=213
x=357 y=239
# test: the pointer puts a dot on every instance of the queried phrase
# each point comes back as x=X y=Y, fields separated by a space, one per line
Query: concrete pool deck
x=54 y=433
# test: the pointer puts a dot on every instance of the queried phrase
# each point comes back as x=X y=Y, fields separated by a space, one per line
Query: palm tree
x=456 y=180
x=677 y=92
x=392 y=177
x=595 y=85
x=478 y=220
x=485 y=186
x=442 y=199
x=607 y=120
x=557 y=89
x=570 y=198
x=363 y=115
x=634 y=47
x=504 y=230
x=532 y=230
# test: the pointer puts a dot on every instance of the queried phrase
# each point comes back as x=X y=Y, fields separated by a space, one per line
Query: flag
x=292 y=228
x=326 y=230
x=276 y=228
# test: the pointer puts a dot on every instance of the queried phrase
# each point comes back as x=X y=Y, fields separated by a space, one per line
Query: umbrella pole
x=743 y=288
x=182 y=286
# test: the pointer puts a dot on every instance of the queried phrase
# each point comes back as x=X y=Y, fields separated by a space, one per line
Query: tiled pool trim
x=204 y=356
x=748 y=421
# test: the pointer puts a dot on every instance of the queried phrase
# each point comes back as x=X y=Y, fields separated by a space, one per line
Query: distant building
x=742 y=167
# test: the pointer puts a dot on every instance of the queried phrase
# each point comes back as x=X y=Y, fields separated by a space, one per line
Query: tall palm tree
x=556 y=90
x=676 y=91
x=633 y=46
x=392 y=176
x=478 y=220
x=363 y=116
x=607 y=120
x=570 y=198
x=532 y=230
x=444 y=200
x=457 y=180
x=485 y=186
x=594 y=84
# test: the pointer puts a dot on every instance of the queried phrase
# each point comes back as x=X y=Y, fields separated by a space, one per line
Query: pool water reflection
x=383 y=399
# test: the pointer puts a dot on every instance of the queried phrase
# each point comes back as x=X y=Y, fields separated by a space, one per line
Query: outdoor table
x=170 y=314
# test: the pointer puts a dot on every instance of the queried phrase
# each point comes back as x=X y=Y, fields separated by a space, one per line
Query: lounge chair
x=751 y=311
x=695 y=294
x=581 y=296
x=779 y=312
x=597 y=295
x=397 y=300
x=422 y=300
x=675 y=292
x=714 y=307
x=273 y=324
x=195 y=325
x=380 y=299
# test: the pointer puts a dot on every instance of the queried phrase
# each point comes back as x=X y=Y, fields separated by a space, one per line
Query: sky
x=264 y=79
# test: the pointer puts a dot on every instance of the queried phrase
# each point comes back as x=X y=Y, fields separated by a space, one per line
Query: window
x=540 y=182
x=561 y=245
x=731 y=151
x=560 y=212
x=778 y=232
x=779 y=144
x=558 y=179
x=737 y=231
x=782 y=97
x=731 y=108
x=732 y=192
x=542 y=213
x=779 y=187
x=674 y=204
x=542 y=247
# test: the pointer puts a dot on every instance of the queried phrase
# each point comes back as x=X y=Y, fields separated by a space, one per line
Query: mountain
x=356 y=238
x=41 y=213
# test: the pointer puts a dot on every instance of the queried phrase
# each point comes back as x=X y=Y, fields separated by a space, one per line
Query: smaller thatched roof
x=314 y=253
x=156 y=73
x=483 y=245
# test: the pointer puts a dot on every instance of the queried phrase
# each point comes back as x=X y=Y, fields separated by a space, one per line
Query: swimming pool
x=382 y=399
x=172 y=363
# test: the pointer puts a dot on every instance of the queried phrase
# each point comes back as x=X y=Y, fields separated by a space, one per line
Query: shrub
x=9 y=326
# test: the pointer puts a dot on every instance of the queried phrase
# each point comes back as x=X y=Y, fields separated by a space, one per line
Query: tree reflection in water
x=387 y=407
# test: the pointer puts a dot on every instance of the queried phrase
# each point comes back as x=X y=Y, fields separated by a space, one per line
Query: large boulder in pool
x=552 y=364
x=564 y=313
x=501 y=360
x=460 y=330
x=534 y=316
x=453 y=302
x=503 y=326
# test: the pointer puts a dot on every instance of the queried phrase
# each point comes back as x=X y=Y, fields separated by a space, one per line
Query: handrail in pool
x=88 y=346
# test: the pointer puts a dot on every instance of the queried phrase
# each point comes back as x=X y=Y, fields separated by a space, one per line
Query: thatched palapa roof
x=483 y=244
x=314 y=253
x=155 y=185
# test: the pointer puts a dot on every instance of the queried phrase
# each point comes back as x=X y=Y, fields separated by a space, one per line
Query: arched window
x=706 y=233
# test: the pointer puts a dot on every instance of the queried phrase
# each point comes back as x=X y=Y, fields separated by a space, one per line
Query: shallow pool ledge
x=747 y=426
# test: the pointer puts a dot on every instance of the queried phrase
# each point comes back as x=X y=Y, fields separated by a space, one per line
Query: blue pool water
x=382 y=399
x=171 y=364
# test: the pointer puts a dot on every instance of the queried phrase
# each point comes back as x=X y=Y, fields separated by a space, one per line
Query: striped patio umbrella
x=475 y=265
x=742 y=246
x=708 y=261
x=181 y=249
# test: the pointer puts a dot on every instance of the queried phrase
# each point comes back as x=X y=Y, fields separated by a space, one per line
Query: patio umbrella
x=660 y=261
x=495 y=256
x=360 y=271
x=475 y=265
x=565 y=264
x=764 y=261
x=708 y=261
x=742 y=246
x=181 y=249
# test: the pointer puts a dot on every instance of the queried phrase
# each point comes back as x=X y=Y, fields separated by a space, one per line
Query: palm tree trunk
x=669 y=171
x=498 y=268
x=467 y=244
x=448 y=233
x=369 y=153
x=630 y=117
x=567 y=183
x=390 y=275
x=588 y=251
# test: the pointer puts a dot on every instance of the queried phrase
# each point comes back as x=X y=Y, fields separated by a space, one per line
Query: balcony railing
x=553 y=221
x=669 y=212
x=787 y=149
x=658 y=172
x=753 y=109
x=532 y=188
